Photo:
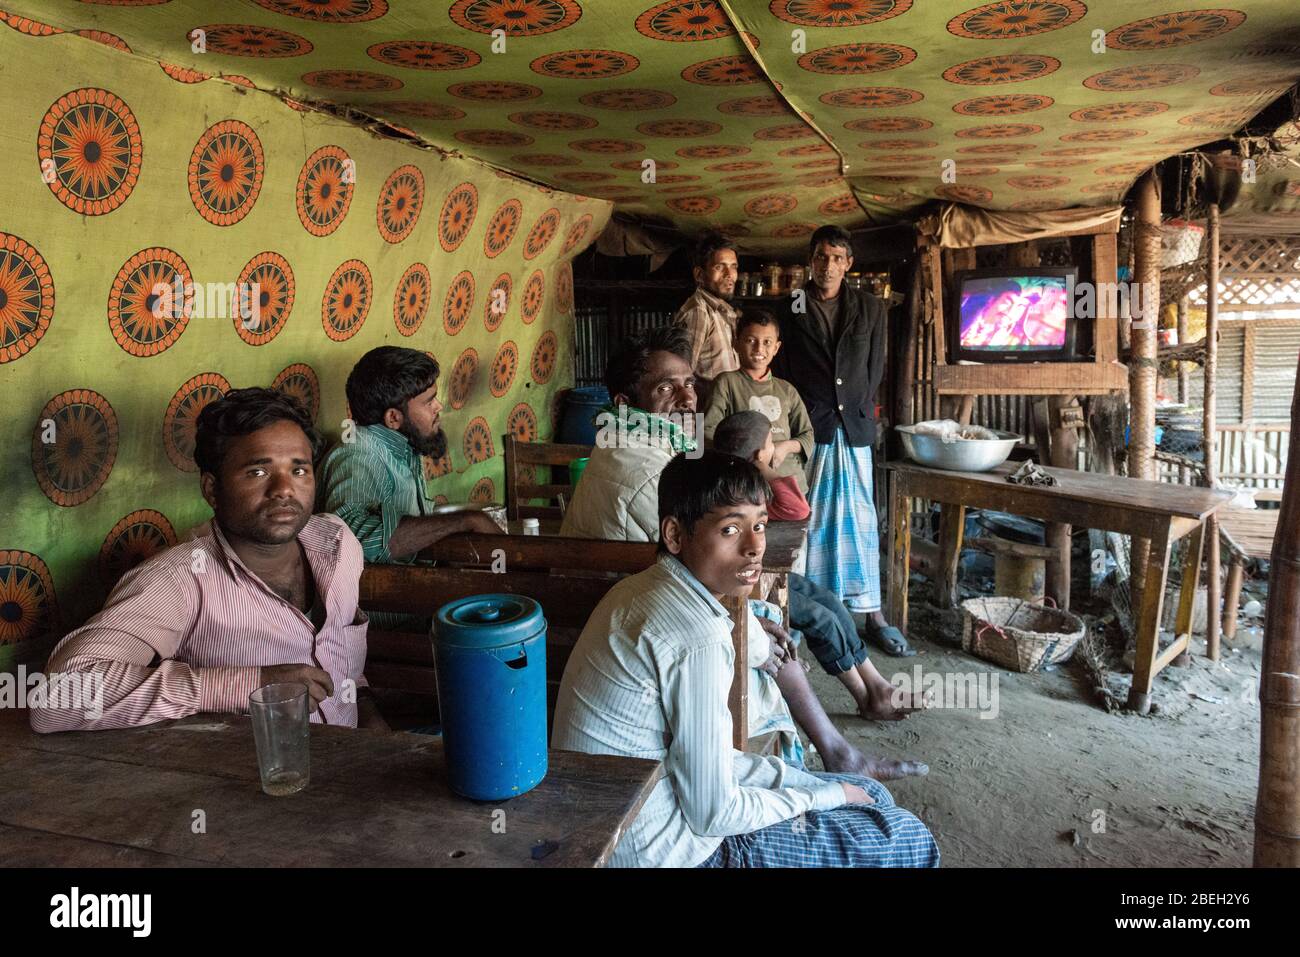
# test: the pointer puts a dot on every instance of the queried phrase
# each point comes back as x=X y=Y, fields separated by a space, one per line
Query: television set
x=1015 y=315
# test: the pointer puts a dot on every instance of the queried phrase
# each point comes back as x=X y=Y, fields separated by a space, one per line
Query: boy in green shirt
x=754 y=388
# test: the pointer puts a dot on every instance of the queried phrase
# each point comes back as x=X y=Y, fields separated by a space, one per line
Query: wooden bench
x=522 y=460
x=403 y=661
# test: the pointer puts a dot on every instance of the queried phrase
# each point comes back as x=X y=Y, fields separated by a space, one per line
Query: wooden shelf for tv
x=1104 y=374
x=1037 y=378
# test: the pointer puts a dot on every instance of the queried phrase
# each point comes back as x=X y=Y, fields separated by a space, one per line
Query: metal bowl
x=962 y=455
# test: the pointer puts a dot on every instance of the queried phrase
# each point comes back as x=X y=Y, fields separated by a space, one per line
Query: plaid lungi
x=857 y=835
x=843 y=540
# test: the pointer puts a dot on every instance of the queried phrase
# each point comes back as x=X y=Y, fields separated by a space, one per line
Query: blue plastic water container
x=577 y=425
x=491 y=657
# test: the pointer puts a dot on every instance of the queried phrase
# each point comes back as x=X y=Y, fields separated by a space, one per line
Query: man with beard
x=268 y=594
x=707 y=316
x=374 y=479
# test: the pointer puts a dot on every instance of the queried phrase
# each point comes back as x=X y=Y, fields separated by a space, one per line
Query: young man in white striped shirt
x=649 y=678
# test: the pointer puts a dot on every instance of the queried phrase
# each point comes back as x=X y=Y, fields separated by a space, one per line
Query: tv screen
x=1029 y=313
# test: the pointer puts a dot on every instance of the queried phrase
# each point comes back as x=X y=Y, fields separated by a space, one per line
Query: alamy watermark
x=963 y=691
x=67 y=691
x=634 y=429
x=208 y=300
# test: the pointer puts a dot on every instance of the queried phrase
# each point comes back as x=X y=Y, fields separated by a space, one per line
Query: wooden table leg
x=1187 y=591
x=1147 y=623
x=900 y=525
x=1232 y=596
x=738 y=696
x=952 y=519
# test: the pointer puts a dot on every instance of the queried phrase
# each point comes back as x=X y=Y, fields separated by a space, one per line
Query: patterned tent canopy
x=764 y=118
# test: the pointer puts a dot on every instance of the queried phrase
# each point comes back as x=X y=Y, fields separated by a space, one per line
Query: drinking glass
x=280 y=729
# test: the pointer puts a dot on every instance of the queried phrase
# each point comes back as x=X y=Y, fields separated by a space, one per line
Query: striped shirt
x=190 y=629
x=372 y=483
x=649 y=678
x=711 y=323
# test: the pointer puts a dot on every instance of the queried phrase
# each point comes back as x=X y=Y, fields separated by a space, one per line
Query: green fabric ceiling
x=763 y=118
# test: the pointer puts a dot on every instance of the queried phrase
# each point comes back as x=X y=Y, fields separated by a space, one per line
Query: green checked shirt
x=372 y=483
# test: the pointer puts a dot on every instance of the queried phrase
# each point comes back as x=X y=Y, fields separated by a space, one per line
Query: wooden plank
x=1123 y=499
x=1147 y=624
x=900 y=524
x=421 y=590
x=952 y=520
x=1176 y=648
x=375 y=799
x=738 y=695
x=1248 y=372
x=534 y=552
x=1191 y=575
x=1039 y=378
x=1250 y=531
x=1106 y=328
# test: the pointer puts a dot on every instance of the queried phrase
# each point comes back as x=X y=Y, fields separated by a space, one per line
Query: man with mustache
x=619 y=498
x=708 y=316
x=374 y=478
x=267 y=594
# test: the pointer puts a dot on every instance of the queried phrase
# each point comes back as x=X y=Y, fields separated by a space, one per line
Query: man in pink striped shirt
x=269 y=594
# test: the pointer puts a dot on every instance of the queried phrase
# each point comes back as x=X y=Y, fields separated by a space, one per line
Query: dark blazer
x=837 y=381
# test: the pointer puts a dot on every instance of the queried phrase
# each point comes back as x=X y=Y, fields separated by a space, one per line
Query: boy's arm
x=720 y=405
x=707 y=772
x=108 y=662
x=801 y=429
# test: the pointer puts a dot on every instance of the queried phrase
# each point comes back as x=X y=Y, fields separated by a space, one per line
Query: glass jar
x=773 y=276
x=853 y=280
x=795 y=277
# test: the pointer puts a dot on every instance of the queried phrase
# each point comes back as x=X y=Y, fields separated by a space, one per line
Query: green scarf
x=678 y=440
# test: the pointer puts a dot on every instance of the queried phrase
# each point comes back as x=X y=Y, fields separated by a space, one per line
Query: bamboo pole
x=1184 y=373
x=1212 y=586
x=1143 y=366
x=1277 y=804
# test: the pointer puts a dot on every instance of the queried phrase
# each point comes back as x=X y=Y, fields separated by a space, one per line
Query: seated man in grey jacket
x=649 y=678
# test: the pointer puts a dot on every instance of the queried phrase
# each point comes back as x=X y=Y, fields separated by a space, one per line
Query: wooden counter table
x=1157 y=511
x=376 y=798
x=1248 y=533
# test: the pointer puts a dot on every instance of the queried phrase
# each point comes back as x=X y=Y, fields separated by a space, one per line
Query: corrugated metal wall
x=1277 y=348
x=1228 y=387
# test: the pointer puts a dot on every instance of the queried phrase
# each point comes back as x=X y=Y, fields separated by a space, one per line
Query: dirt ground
x=1055 y=780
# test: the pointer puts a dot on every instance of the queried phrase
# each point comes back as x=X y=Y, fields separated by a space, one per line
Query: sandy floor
x=1054 y=780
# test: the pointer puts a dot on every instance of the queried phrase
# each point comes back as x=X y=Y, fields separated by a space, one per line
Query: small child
x=757 y=341
x=825 y=622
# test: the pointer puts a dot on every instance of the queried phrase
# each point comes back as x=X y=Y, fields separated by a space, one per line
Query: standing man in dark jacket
x=834 y=353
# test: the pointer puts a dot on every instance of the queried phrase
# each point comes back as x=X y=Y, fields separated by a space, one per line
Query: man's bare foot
x=850 y=759
x=882 y=708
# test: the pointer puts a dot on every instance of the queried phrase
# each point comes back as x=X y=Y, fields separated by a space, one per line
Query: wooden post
x=1143 y=366
x=1063 y=452
x=952 y=519
x=1183 y=371
x=900 y=526
x=1208 y=432
x=1232 y=596
x=905 y=379
x=1277 y=804
x=738 y=697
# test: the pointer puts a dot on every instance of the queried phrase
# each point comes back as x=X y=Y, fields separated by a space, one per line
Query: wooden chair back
x=528 y=465
x=404 y=661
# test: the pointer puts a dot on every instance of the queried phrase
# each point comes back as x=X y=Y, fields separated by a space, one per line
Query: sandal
x=888 y=639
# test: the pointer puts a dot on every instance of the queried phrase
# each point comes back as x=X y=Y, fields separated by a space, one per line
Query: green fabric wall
x=135 y=155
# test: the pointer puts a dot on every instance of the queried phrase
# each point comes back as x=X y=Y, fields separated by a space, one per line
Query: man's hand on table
x=481 y=524
x=318 y=681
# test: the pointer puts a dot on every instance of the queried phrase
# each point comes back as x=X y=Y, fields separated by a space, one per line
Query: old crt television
x=1015 y=315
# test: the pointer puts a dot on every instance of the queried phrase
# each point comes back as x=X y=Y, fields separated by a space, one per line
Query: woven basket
x=1018 y=635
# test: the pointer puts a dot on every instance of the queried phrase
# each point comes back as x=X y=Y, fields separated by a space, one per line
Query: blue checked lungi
x=843 y=537
x=857 y=835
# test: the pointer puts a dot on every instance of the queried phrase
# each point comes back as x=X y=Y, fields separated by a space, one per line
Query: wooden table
x=1160 y=512
x=1248 y=533
x=127 y=798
